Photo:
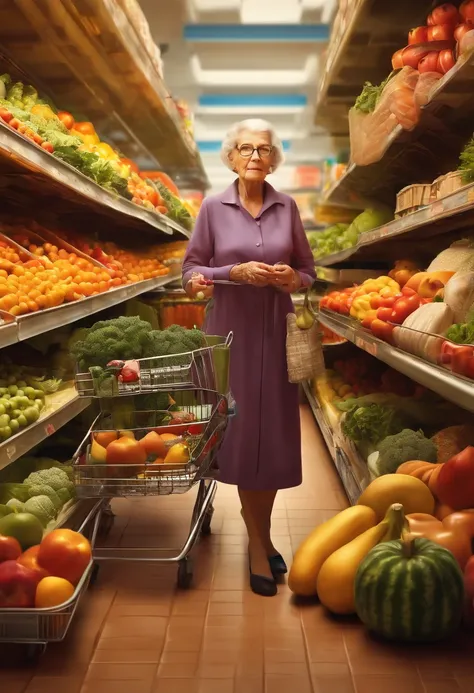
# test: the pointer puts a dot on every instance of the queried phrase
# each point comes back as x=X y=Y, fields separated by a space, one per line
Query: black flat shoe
x=262 y=585
x=277 y=564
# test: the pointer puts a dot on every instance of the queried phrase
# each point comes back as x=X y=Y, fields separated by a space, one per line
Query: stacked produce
x=78 y=144
x=43 y=574
x=343 y=236
x=378 y=558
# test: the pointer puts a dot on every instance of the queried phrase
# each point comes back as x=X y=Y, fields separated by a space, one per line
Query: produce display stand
x=38 y=627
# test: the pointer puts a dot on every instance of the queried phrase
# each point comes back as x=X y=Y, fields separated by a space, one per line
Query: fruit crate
x=199 y=437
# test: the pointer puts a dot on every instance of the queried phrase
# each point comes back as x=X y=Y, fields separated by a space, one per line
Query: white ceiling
x=196 y=69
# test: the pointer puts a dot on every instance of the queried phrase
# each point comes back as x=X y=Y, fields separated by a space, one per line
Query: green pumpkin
x=410 y=590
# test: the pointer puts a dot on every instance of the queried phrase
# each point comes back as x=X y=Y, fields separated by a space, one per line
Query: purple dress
x=262 y=445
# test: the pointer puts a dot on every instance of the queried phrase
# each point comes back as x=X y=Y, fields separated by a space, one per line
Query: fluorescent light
x=271 y=78
x=270 y=12
x=256 y=33
x=253 y=100
x=249 y=110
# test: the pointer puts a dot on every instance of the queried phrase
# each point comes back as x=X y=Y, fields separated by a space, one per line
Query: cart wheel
x=185 y=573
x=94 y=574
x=34 y=651
x=206 y=525
x=106 y=523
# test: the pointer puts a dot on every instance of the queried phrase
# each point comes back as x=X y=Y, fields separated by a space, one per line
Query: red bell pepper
x=459 y=357
x=130 y=372
x=382 y=330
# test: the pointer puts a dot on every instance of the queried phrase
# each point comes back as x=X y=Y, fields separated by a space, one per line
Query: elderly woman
x=252 y=235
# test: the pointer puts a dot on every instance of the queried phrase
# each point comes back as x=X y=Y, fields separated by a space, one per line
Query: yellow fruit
x=322 y=542
x=412 y=493
x=127 y=434
x=98 y=453
x=178 y=454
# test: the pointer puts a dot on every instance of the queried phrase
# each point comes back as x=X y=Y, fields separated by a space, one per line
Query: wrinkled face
x=257 y=166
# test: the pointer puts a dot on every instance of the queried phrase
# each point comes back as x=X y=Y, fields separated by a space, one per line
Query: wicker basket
x=304 y=350
x=449 y=184
x=411 y=198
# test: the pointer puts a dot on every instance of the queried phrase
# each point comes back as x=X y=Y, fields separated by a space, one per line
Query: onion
x=459 y=295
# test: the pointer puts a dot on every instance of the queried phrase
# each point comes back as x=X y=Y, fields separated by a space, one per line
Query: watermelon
x=410 y=590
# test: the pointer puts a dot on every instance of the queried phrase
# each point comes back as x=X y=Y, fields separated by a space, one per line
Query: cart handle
x=76 y=455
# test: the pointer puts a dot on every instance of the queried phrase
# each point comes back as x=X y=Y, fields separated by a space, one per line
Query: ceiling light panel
x=273 y=33
x=270 y=12
x=256 y=77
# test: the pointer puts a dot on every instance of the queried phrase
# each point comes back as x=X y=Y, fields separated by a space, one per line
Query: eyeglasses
x=246 y=151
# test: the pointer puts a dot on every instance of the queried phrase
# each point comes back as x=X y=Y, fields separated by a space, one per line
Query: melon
x=388 y=489
x=410 y=590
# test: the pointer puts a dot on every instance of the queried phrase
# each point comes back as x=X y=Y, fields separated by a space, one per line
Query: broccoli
x=123 y=338
x=55 y=478
x=403 y=447
x=41 y=507
x=45 y=490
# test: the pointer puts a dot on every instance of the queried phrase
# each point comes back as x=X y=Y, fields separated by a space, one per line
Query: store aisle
x=137 y=634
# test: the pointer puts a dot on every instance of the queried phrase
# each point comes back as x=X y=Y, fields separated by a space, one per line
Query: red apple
x=418 y=35
x=446 y=60
x=10 y=549
x=455 y=484
x=462 y=30
x=441 y=32
x=429 y=63
x=445 y=14
x=17 y=585
x=467 y=10
x=430 y=21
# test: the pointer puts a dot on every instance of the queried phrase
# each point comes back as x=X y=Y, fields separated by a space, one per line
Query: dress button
x=258 y=245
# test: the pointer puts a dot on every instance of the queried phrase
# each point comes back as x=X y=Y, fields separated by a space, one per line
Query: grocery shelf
x=364 y=37
x=65 y=406
x=92 y=61
x=27 y=326
x=439 y=217
x=352 y=486
x=432 y=148
x=28 y=157
x=450 y=386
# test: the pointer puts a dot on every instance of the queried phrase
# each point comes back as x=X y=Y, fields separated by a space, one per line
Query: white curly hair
x=253 y=125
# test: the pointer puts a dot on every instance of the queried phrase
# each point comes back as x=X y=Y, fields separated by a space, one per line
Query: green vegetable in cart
x=41 y=507
x=25 y=527
x=402 y=447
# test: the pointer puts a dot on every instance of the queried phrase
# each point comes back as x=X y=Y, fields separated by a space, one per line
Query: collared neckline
x=271 y=197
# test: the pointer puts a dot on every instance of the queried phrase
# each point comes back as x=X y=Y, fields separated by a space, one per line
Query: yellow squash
x=336 y=578
x=412 y=493
x=322 y=542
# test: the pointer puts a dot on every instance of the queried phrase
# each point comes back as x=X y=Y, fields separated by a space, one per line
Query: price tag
x=49 y=429
x=369 y=347
x=11 y=451
x=437 y=208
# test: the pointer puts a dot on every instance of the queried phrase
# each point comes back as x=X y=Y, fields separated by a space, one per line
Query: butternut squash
x=322 y=542
x=413 y=466
x=335 y=584
x=412 y=493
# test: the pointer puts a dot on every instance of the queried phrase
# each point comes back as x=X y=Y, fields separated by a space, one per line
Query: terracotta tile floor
x=136 y=634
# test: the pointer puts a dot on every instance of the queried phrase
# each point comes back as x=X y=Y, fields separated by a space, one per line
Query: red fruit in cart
x=10 y=549
x=104 y=438
x=455 y=484
x=446 y=60
x=441 y=32
x=154 y=445
x=17 y=585
x=417 y=35
x=445 y=14
x=29 y=559
x=429 y=63
x=64 y=553
x=459 y=31
x=125 y=451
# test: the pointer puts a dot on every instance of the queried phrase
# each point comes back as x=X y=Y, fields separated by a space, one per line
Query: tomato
x=15 y=123
x=411 y=56
x=467 y=10
x=132 y=164
x=382 y=330
x=461 y=30
x=85 y=128
x=64 y=553
x=29 y=559
x=460 y=359
x=48 y=147
x=445 y=14
x=53 y=591
x=152 y=196
x=10 y=549
x=429 y=63
x=430 y=21
x=417 y=35
x=5 y=115
x=446 y=61
x=66 y=119
x=404 y=307
x=384 y=313
x=441 y=32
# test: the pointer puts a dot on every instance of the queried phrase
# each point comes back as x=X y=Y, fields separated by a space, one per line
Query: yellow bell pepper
x=361 y=306
x=44 y=111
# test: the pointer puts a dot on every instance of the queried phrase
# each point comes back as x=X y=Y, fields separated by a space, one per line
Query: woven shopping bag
x=304 y=349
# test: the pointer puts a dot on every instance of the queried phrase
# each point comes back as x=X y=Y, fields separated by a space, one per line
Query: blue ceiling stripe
x=284 y=33
x=212 y=146
x=253 y=100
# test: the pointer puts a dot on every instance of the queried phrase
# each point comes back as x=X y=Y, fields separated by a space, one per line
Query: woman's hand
x=253 y=273
x=198 y=284
x=286 y=278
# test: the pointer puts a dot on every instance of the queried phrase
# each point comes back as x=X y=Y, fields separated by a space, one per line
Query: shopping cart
x=35 y=628
x=203 y=415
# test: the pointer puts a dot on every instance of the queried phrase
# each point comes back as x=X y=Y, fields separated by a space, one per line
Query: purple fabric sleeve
x=302 y=258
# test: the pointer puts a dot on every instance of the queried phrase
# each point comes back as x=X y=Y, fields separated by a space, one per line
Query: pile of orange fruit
x=137 y=266
x=54 y=277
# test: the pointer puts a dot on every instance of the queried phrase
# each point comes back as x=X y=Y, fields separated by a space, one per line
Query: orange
x=168 y=436
x=53 y=591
